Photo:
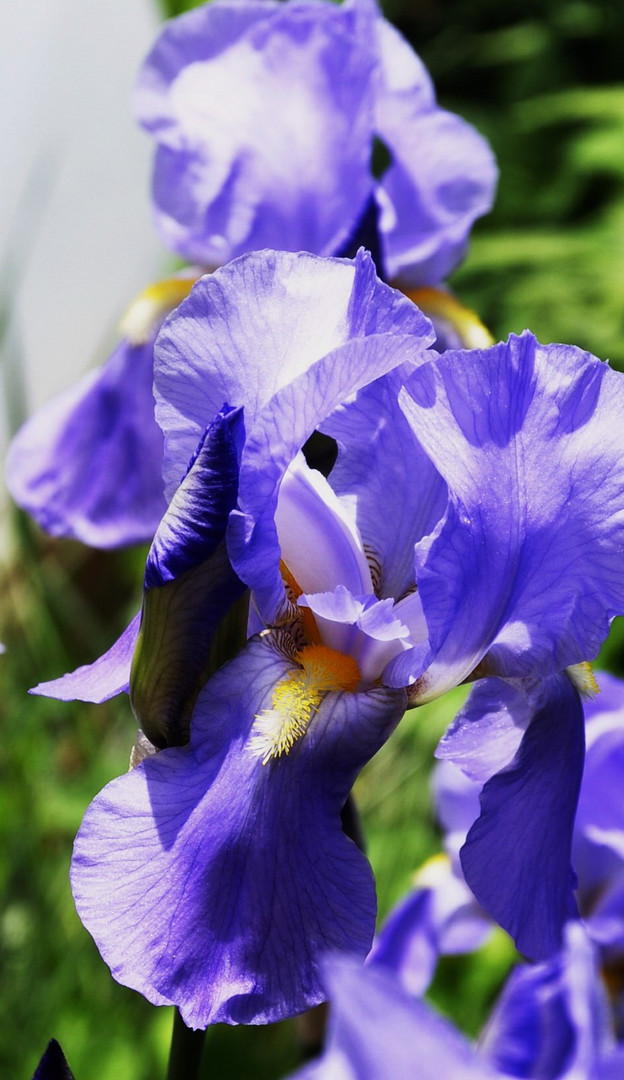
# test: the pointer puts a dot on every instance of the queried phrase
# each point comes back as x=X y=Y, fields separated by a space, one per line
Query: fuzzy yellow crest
x=297 y=697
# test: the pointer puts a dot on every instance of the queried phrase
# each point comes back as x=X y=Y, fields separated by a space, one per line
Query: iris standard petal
x=526 y=570
x=328 y=327
x=214 y=882
x=516 y=858
x=319 y=543
x=385 y=479
x=88 y=464
x=254 y=327
x=264 y=115
x=277 y=435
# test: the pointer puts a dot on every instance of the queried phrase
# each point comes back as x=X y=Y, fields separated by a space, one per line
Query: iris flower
x=441 y=916
x=471 y=528
x=265 y=116
x=551 y=1023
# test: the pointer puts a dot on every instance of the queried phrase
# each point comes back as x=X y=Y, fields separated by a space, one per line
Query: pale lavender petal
x=363 y=627
x=552 y=1018
x=440 y=916
x=250 y=102
x=319 y=543
x=486 y=733
x=255 y=327
x=430 y=200
x=377 y=454
x=97 y=682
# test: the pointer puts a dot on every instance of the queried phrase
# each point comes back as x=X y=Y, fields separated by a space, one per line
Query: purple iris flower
x=597 y=849
x=441 y=915
x=265 y=116
x=471 y=527
x=438 y=917
x=551 y=1023
x=552 y=1020
x=231 y=869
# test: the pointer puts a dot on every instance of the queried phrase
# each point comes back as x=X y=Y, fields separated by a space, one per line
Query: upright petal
x=254 y=327
x=431 y=200
x=264 y=117
x=377 y=452
x=526 y=571
x=214 y=882
x=88 y=464
x=329 y=327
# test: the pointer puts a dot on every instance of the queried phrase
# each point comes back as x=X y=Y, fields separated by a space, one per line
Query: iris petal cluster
x=466 y=526
x=265 y=117
x=231 y=872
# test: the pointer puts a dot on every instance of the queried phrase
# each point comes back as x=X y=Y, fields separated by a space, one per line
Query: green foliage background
x=543 y=82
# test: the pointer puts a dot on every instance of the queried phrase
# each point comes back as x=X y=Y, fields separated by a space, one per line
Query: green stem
x=186 y=1051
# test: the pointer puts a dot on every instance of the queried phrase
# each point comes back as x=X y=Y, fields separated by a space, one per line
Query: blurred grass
x=543 y=82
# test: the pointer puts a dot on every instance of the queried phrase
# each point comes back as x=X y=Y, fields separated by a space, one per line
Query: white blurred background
x=76 y=238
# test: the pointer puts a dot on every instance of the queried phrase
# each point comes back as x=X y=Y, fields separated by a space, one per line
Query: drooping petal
x=456 y=802
x=264 y=117
x=376 y=1031
x=600 y=815
x=103 y=679
x=377 y=454
x=88 y=464
x=189 y=587
x=214 y=882
x=486 y=733
x=526 y=571
x=516 y=858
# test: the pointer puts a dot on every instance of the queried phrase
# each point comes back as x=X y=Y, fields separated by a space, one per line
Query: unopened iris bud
x=189 y=587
